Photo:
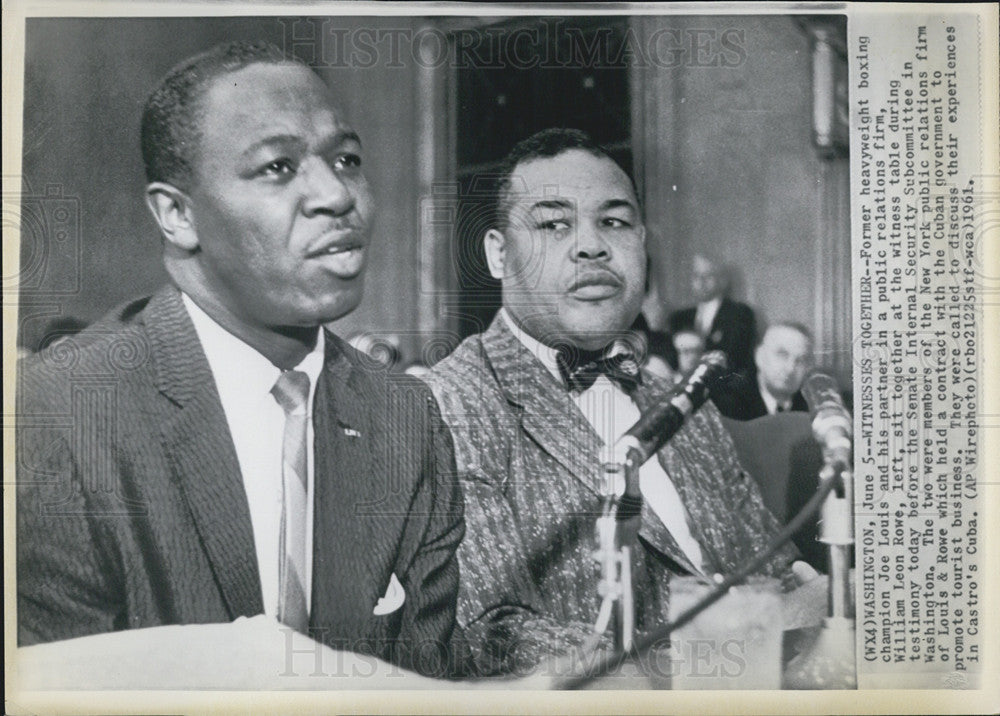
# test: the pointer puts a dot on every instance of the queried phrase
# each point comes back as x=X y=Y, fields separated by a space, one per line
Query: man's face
x=783 y=359
x=572 y=258
x=706 y=280
x=279 y=202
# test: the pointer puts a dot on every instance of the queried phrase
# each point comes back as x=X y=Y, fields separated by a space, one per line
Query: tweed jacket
x=734 y=332
x=528 y=463
x=131 y=510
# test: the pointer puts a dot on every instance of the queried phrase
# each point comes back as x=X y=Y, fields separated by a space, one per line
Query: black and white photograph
x=448 y=348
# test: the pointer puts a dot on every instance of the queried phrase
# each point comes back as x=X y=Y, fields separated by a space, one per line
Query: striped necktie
x=292 y=393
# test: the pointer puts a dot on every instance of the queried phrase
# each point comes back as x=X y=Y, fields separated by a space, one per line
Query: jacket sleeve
x=66 y=584
x=498 y=606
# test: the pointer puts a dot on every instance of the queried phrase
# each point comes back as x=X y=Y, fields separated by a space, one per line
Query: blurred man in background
x=724 y=324
x=782 y=360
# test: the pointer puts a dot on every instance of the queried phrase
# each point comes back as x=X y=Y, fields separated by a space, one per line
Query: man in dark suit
x=782 y=359
x=726 y=325
x=210 y=452
x=531 y=400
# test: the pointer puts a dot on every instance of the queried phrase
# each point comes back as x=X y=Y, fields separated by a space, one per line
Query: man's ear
x=758 y=356
x=171 y=208
x=494 y=244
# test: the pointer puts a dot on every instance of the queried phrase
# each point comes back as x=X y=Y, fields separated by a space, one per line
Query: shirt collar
x=710 y=307
x=545 y=354
x=770 y=402
x=256 y=374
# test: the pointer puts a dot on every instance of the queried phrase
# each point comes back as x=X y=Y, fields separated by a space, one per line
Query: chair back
x=782 y=456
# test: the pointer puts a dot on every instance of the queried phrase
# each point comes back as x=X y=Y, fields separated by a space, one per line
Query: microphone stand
x=617 y=528
x=618 y=525
x=830 y=662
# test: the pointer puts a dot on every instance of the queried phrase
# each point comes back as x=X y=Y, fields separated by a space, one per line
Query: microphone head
x=715 y=367
x=819 y=389
x=716 y=359
x=822 y=394
x=702 y=380
x=710 y=367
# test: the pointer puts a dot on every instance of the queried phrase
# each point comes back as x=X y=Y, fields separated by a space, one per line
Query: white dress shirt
x=770 y=402
x=244 y=379
x=705 y=314
x=611 y=412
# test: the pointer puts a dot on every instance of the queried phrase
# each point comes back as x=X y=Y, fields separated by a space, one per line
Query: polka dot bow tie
x=579 y=368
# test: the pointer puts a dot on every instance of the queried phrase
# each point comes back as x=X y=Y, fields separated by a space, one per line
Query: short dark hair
x=544 y=144
x=799 y=328
x=169 y=132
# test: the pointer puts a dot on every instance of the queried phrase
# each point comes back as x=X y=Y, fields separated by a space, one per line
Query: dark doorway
x=551 y=72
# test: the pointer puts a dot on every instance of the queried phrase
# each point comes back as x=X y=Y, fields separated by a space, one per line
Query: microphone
x=658 y=425
x=832 y=425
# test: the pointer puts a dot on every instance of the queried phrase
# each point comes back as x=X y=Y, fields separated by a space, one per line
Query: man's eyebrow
x=552 y=204
x=339 y=137
x=272 y=140
x=616 y=204
x=347 y=135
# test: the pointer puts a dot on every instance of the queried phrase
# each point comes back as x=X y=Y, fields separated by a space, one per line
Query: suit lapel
x=353 y=505
x=554 y=421
x=799 y=402
x=757 y=408
x=200 y=450
x=548 y=414
x=721 y=318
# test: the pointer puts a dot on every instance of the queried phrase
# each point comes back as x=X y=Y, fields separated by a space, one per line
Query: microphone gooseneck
x=658 y=425
x=618 y=526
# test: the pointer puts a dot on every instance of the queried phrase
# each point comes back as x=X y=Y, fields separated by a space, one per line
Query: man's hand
x=803 y=572
x=806 y=605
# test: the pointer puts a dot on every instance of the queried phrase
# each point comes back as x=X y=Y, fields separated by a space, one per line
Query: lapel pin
x=351 y=432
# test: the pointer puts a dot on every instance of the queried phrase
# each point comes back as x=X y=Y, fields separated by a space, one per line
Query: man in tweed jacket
x=569 y=250
x=150 y=455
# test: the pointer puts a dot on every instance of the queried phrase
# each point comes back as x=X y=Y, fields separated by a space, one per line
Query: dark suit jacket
x=132 y=513
x=529 y=464
x=734 y=332
x=738 y=397
x=658 y=343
